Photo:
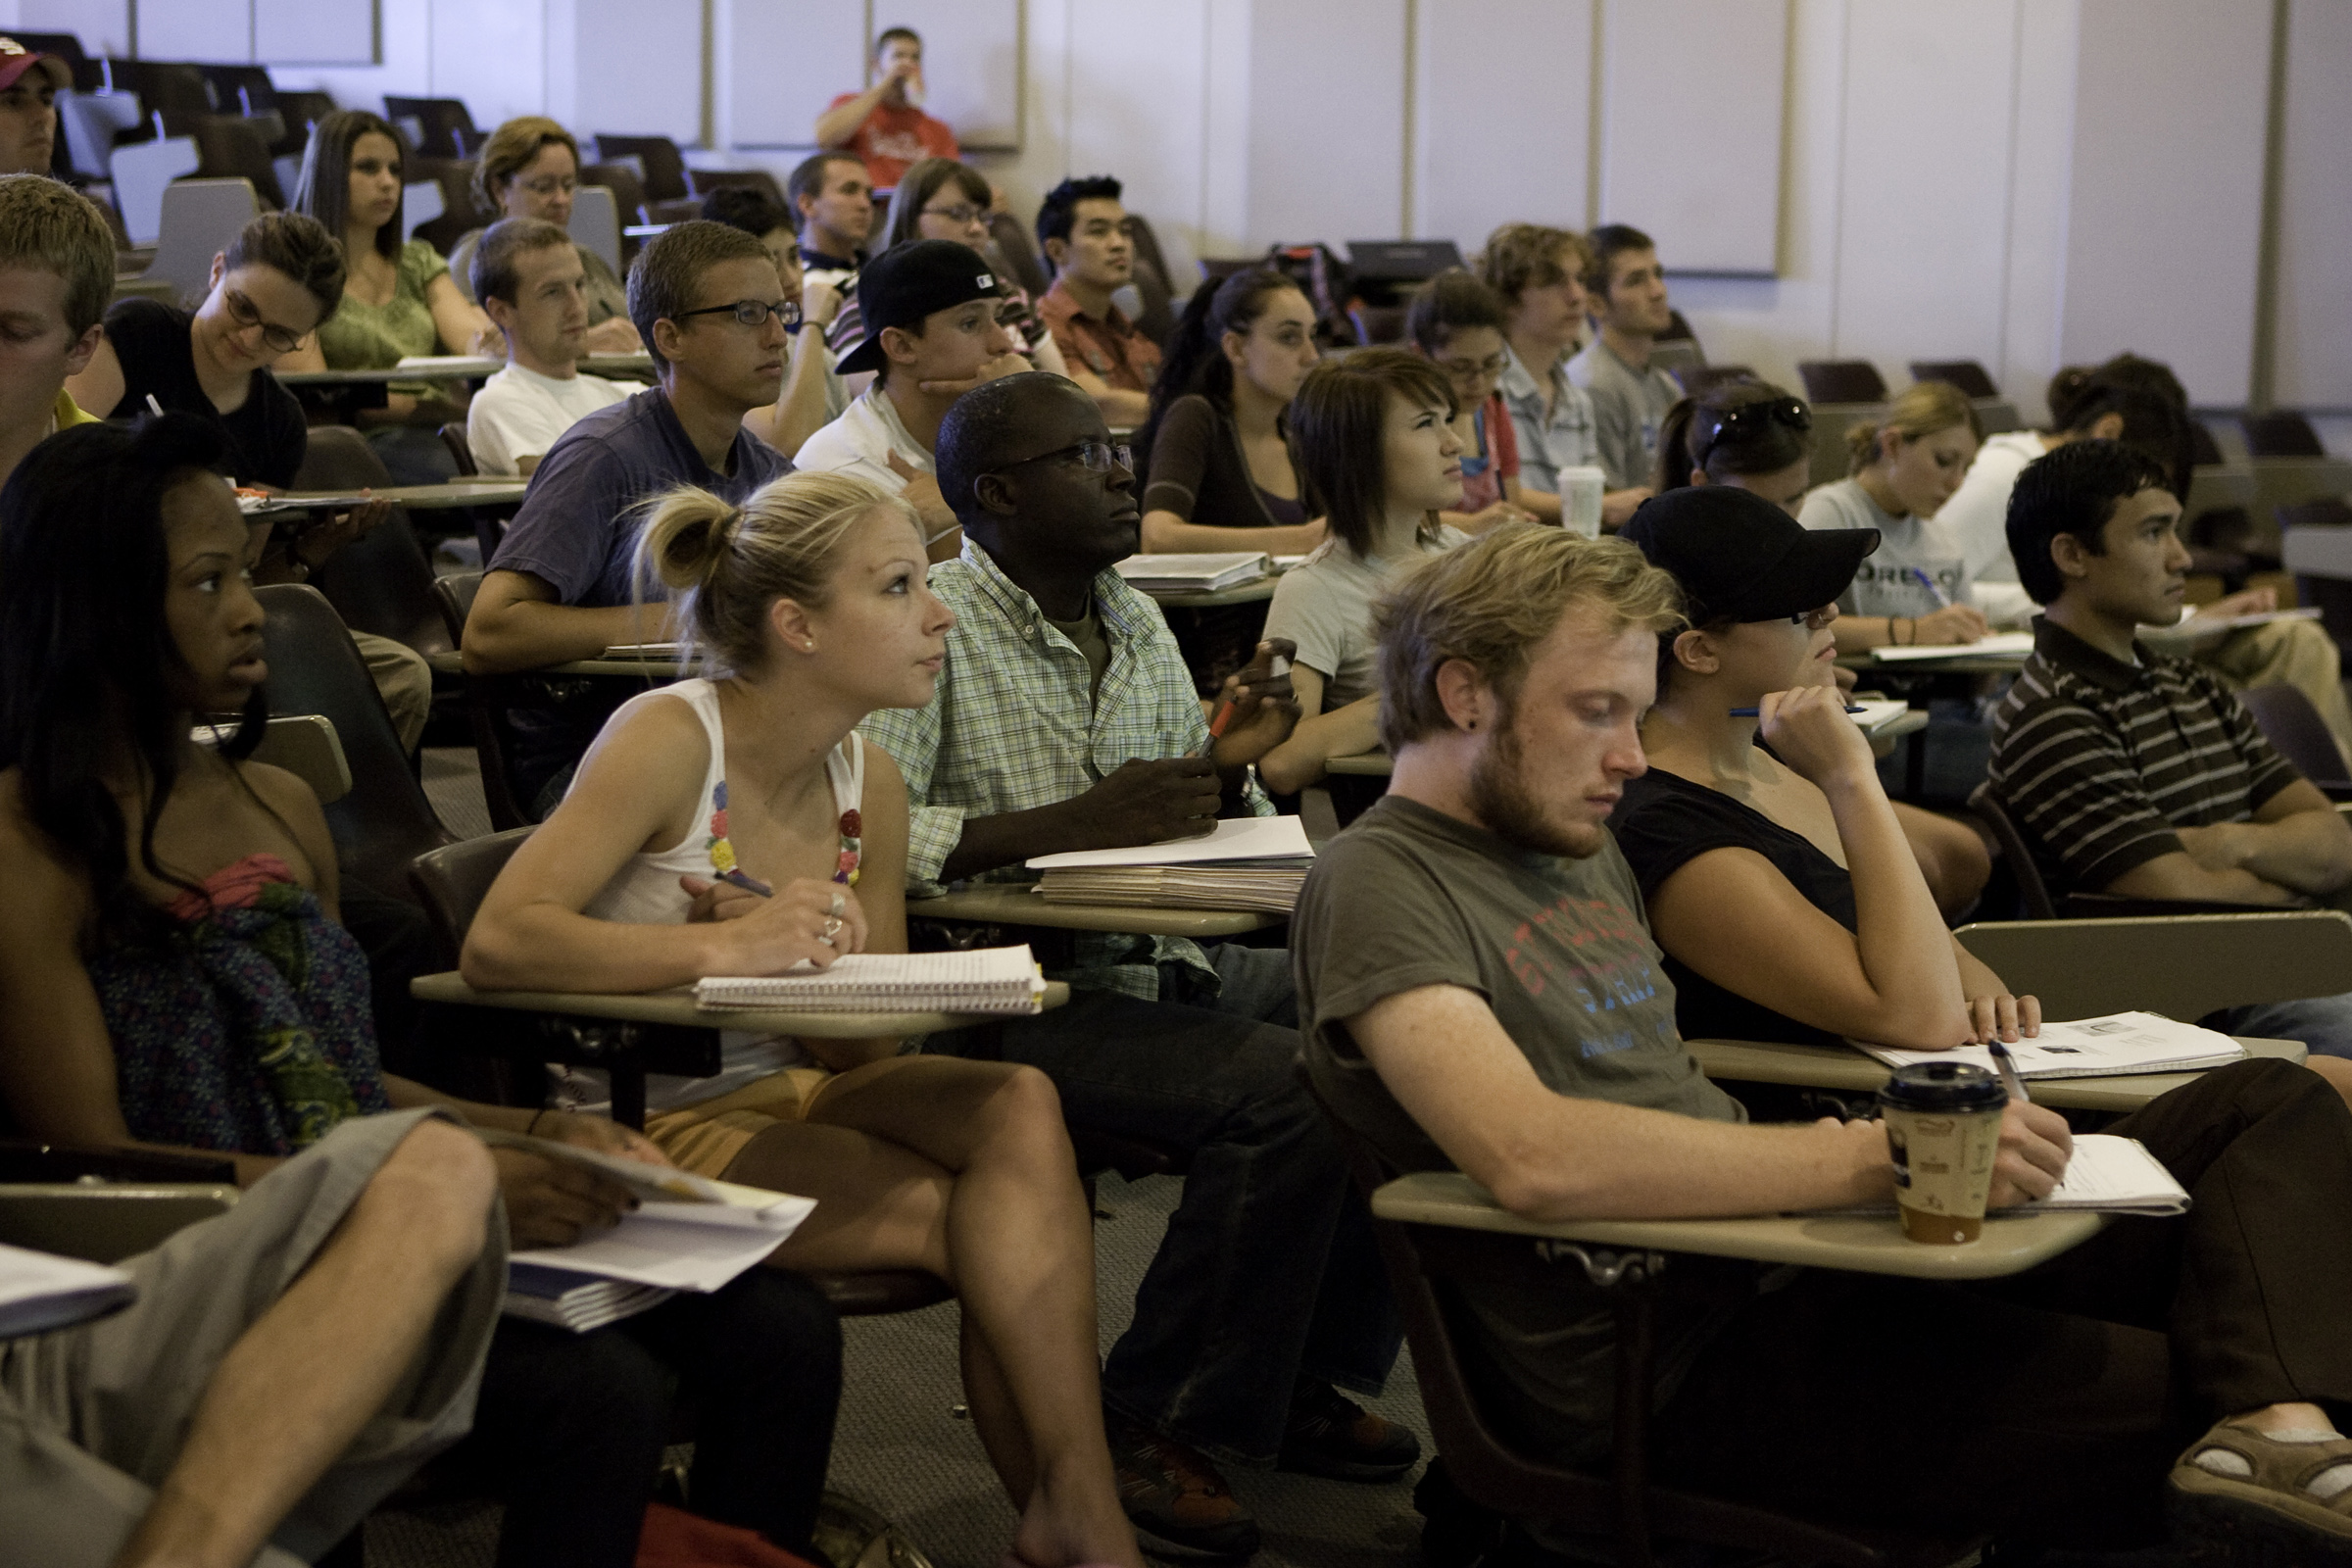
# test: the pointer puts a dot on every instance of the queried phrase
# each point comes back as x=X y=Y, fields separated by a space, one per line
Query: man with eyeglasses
x=530 y=279
x=1085 y=232
x=707 y=302
x=932 y=333
x=1065 y=720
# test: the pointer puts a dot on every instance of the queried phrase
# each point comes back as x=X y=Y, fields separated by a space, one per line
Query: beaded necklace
x=852 y=828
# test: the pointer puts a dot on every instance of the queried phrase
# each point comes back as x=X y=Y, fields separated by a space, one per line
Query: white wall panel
x=1691 y=127
x=102 y=25
x=2312 y=338
x=339 y=32
x=1150 y=141
x=636 y=68
x=2164 y=216
x=1923 y=256
x=495 y=58
x=1473 y=170
x=2048 y=37
x=779 y=66
x=1326 y=120
x=204 y=29
x=971 y=62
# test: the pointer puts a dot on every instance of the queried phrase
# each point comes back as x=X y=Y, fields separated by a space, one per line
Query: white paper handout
x=1236 y=838
x=2115 y=1176
x=2090 y=1048
x=684 y=1247
x=40 y=1290
x=2000 y=643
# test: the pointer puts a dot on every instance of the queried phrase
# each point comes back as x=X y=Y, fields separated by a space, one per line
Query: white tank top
x=646 y=892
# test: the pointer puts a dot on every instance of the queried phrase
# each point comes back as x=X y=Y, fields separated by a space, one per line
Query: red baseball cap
x=16 y=60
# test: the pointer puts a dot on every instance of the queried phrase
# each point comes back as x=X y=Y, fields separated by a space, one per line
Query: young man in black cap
x=1478 y=990
x=931 y=335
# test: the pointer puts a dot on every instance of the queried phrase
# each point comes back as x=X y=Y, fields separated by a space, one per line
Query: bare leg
x=1010 y=1229
x=2336 y=1070
x=304 y=1379
x=1950 y=854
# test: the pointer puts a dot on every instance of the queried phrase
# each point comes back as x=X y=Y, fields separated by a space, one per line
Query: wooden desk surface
x=1368 y=765
x=1865 y=1244
x=458 y=367
x=1848 y=1070
x=489 y=492
x=677 y=1007
x=1012 y=904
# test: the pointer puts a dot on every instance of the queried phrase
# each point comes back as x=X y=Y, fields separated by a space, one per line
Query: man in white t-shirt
x=932 y=333
x=529 y=277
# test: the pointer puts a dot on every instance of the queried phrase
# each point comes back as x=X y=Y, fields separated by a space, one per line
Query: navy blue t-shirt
x=577 y=529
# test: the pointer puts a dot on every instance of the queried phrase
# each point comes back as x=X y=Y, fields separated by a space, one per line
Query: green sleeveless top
x=360 y=336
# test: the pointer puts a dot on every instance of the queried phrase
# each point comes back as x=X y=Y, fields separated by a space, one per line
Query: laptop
x=1403 y=260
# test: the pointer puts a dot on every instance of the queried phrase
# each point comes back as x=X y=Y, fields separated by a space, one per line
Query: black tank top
x=267 y=435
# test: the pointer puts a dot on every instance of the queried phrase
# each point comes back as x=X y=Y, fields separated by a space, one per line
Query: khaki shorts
x=705 y=1138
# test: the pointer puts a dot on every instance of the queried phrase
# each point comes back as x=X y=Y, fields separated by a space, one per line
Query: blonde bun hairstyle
x=724 y=564
x=1919 y=410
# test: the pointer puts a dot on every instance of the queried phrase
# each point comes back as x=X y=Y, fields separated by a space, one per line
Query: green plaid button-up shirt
x=1012 y=727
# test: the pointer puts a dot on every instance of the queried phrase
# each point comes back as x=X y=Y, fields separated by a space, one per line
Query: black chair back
x=242 y=89
x=231 y=146
x=445 y=124
x=663 y=166
x=2032 y=890
x=2281 y=433
x=451 y=881
x=1016 y=247
x=1841 y=381
x=339 y=457
x=1153 y=282
x=383 y=584
x=1966 y=374
x=486 y=700
x=301 y=109
x=1697 y=380
x=460 y=449
x=385 y=821
x=701 y=183
x=2293 y=725
x=628 y=191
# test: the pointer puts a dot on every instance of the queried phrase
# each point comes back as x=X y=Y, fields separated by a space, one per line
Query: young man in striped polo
x=2139 y=773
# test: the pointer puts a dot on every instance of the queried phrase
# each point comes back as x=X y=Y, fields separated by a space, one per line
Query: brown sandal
x=2267 y=1518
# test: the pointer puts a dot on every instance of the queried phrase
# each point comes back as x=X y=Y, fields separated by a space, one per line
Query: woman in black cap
x=1782 y=888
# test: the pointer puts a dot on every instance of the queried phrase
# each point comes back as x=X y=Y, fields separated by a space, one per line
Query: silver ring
x=825 y=933
x=841 y=906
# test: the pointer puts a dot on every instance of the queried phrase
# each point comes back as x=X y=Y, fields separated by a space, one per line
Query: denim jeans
x=2324 y=1023
x=1269 y=1269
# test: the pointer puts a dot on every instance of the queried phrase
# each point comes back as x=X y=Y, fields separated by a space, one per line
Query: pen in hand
x=1758 y=712
x=1943 y=600
x=1276 y=667
x=2007 y=1065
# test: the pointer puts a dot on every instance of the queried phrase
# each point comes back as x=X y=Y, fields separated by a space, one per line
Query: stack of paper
x=1877 y=710
x=2095 y=1048
x=646 y=651
x=986 y=980
x=1249 y=862
x=40 y=1292
x=2115 y=1176
x=2016 y=644
x=1192 y=574
x=565 y=1298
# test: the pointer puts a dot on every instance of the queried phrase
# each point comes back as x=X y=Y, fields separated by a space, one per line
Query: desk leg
x=1915 y=764
x=628 y=1092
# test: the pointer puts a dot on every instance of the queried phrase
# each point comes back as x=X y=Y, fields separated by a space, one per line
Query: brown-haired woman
x=530 y=168
x=1376 y=438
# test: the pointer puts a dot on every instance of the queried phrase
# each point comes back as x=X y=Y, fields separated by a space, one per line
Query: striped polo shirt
x=2099 y=760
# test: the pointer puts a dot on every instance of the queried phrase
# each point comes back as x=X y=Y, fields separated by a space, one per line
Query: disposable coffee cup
x=1580 y=490
x=1943 y=1129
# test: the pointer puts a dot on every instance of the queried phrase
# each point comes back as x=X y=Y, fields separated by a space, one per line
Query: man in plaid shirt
x=1065 y=720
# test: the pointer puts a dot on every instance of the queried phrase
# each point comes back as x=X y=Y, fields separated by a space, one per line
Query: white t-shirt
x=860 y=442
x=1977 y=520
x=520 y=413
x=1324 y=605
x=1890 y=581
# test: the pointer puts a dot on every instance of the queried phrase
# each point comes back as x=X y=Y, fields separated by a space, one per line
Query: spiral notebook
x=986 y=980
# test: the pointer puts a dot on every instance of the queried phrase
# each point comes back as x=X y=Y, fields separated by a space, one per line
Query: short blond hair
x=49 y=228
x=725 y=563
x=512 y=148
x=1491 y=601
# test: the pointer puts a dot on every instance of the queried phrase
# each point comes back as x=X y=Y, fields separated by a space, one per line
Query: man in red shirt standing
x=884 y=125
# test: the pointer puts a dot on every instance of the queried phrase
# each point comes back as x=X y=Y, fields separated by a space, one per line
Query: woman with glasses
x=1781 y=883
x=940 y=198
x=1457 y=321
x=1374 y=433
x=399 y=301
x=530 y=168
x=1903 y=466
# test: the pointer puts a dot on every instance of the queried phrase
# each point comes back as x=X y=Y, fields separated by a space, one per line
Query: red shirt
x=1499 y=462
x=895 y=135
x=1110 y=347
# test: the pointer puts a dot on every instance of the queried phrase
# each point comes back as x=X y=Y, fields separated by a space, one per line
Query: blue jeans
x=2324 y=1023
x=1269 y=1270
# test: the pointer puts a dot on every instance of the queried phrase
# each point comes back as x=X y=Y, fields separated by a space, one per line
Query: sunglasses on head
x=1745 y=422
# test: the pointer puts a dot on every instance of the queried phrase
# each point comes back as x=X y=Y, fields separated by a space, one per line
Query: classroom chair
x=383 y=584
x=92 y=123
x=461 y=450
x=166 y=87
x=626 y=187
x=486 y=700
x=1621 y=1506
x=2034 y=890
x=1016 y=247
x=701 y=183
x=461 y=211
x=444 y=125
x=198 y=218
x=659 y=163
x=1841 y=381
x=300 y=109
x=1830 y=421
x=1967 y=374
x=240 y=89
x=2183 y=965
x=142 y=171
x=596 y=224
x=386 y=821
x=234 y=147
x=2290 y=722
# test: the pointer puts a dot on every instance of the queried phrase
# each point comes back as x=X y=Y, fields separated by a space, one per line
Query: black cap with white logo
x=907 y=282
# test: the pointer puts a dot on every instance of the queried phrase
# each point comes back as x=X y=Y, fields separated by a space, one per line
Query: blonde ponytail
x=1919 y=410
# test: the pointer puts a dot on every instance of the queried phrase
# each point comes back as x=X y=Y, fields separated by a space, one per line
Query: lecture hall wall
x=2023 y=182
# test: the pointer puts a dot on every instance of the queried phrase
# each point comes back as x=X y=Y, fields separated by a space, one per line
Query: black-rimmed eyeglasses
x=277 y=339
x=750 y=313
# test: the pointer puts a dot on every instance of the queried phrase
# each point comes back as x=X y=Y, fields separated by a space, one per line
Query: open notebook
x=2017 y=643
x=2106 y=1175
x=984 y=980
x=1199 y=573
x=2095 y=1048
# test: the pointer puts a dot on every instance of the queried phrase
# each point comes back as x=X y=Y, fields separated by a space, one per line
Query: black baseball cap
x=1739 y=556
x=907 y=282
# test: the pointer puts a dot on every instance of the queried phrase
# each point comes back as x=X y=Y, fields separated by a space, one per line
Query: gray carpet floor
x=902 y=1447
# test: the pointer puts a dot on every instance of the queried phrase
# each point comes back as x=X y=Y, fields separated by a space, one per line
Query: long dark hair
x=1338 y=436
x=85 y=655
x=1195 y=358
x=323 y=188
x=2148 y=398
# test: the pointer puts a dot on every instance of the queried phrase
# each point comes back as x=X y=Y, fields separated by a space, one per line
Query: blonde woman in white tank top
x=735 y=825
